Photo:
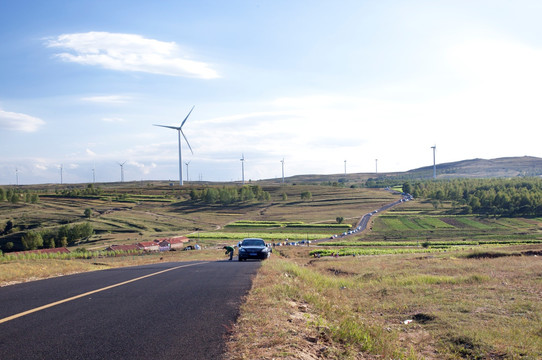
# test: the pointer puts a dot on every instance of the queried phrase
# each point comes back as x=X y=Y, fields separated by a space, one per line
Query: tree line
x=63 y=236
x=228 y=195
x=15 y=196
x=499 y=197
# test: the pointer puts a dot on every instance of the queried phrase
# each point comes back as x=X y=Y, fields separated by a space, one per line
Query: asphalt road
x=159 y=311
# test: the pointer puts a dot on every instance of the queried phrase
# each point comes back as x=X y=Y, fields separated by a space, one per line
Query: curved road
x=159 y=311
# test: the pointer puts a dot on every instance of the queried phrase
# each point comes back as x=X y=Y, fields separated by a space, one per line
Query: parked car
x=253 y=248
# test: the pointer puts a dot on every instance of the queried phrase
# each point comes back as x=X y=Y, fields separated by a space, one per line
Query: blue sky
x=312 y=82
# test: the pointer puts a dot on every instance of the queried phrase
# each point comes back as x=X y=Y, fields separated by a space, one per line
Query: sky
x=327 y=86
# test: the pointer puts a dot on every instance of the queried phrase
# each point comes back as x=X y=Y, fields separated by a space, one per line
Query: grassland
x=423 y=285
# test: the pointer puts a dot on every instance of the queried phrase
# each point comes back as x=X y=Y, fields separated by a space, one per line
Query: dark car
x=253 y=248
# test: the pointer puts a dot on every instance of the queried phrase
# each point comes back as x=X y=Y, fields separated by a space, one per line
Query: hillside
x=482 y=168
x=473 y=168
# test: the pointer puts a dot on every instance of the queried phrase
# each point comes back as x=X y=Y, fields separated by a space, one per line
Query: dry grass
x=356 y=308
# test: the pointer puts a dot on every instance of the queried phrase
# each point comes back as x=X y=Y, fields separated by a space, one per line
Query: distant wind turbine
x=122 y=171
x=282 y=161
x=345 y=168
x=179 y=132
x=434 y=147
x=243 y=168
x=186 y=163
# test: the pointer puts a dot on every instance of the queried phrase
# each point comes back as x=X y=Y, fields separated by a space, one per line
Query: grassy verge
x=393 y=307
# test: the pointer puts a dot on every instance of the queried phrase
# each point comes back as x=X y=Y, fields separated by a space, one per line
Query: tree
x=211 y=196
x=14 y=199
x=88 y=213
x=35 y=199
x=339 y=219
x=8 y=227
x=306 y=195
x=284 y=196
x=407 y=188
x=32 y=240
x=246 y=194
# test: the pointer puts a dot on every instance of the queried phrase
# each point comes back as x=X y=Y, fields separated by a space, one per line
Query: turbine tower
x=179 y=132
x=282 y=161
x=60 y=174
x=376 y=166
x=122 y=171
x=434 y=147
x=186 y=163
x=17 y=176
x=345 y=168
x=243 y=168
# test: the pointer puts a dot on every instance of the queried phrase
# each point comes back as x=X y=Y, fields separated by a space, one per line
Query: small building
x=164 y=245
x=178 y=242
x=149 y=245
x=122 y=248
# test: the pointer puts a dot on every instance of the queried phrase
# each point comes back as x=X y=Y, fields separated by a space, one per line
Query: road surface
x=159 y=311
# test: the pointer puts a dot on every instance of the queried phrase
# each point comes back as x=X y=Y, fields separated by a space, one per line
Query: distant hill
x=475 y=168
x=482 y=168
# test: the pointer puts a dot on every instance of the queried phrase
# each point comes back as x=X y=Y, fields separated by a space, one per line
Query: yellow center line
x=12 y=317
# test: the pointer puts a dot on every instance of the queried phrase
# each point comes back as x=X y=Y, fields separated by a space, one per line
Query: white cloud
x=90 y=152
x=19 y=122
x=129 y=52
x=144 y=169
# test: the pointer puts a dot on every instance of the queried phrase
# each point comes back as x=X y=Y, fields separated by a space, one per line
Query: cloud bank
x=19 y=122
x=129 y=52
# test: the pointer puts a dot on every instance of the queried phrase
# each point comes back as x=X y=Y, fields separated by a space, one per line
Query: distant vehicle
x=253 y=248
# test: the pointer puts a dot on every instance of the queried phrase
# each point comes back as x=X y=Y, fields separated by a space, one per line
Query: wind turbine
x=434 y=147
x=282 y=161
x=17 y=176
x=186 y=163
x=61 y=174
x=243 y=168
x=376 y=166
x=179 y=132
x=122 y=171
x=345 y=168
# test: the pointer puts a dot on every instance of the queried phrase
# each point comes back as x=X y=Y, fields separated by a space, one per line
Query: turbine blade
x=169 y=127
x=190 y=147
x=187 y=116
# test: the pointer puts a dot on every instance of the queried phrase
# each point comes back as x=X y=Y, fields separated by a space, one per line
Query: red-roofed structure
x=61 y=250
x=148 y=245
x=122 y=248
